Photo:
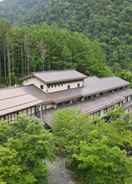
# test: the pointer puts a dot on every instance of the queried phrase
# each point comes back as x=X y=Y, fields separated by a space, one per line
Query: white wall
x=37 y=83
x=55 y=88
x=65 y=86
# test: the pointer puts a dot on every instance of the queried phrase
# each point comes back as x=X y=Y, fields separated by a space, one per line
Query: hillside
x=20 y=11
x=108 y=21
x=43 y=47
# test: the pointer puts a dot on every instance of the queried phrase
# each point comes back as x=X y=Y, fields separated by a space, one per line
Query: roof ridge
x=115 y=77
x=47 y=71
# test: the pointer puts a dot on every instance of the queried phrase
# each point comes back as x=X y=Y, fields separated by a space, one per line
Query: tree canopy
x=43 y=47
x=98 y=150
x=107 y=21
x=25 y=146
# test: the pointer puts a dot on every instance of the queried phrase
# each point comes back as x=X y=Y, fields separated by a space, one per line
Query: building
x=24 y=99
x=50 y=82
x=43 y=93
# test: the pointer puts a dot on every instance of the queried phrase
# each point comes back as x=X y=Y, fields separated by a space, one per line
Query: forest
x=96 y=150
x=105 y=20
x=43 y=47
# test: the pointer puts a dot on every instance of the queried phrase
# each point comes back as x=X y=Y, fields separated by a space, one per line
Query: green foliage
x=26 y=49
x=97 y=150
x=19 y=10
x=108 y=21
x=127 y=75
x=98 y=163
x=24 y=149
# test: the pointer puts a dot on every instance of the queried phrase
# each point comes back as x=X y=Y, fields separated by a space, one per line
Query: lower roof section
x=92 y=86
x=20 y=98
x=93 y=106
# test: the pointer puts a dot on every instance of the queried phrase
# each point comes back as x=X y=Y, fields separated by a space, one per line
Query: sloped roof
x=92 y=86
x=93 y=106
x=50 y=77
x=97 y=85
x=16 y=99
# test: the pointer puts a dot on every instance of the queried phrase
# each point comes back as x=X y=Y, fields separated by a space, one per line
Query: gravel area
x=58 y=173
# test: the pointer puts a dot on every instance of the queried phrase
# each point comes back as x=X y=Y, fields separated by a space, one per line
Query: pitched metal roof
x=92 y=106
x=49 y=77
x=92 y=86
x=17 y=99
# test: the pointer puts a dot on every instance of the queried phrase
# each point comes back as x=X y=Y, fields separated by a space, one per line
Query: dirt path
x=58 y=174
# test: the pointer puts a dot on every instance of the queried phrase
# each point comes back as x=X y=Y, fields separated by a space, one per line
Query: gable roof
x=20 y=98
x=92 y=86
x=92 y=106
x=95 y=85
x=50 y=77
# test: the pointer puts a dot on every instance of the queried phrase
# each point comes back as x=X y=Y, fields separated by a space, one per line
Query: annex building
x=42 y=93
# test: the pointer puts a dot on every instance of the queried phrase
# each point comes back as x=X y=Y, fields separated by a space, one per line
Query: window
x=51 y=85
x=129 y=98
x=41 y=86
x=78 y=85
x=55 y=85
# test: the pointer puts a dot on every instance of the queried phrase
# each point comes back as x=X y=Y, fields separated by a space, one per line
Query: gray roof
x=49 y=77
x=92 y=106
x=17 y=99
x=92 y=86
x=106 y=101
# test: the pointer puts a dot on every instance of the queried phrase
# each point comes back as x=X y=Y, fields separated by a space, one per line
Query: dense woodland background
x=92 y=36
x=43 y=47
x=106 y=23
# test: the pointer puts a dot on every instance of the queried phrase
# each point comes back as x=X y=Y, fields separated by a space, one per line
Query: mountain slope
x=108 y=21
x=17 y=11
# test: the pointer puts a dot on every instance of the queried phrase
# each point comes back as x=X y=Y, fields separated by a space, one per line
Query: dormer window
x=41 y=87
x=78 y=85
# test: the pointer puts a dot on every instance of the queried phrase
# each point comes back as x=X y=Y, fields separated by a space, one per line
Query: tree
x=25 y=146
x=98 y=163
x=97 y=149
x=43 y=47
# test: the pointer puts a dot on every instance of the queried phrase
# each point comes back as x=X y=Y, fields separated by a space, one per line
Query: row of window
x=55 y=85
x=104 y=93
x=59 y=85
x=120 y=104
x=106 y=110
x=13 y=116
x=30 y=111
